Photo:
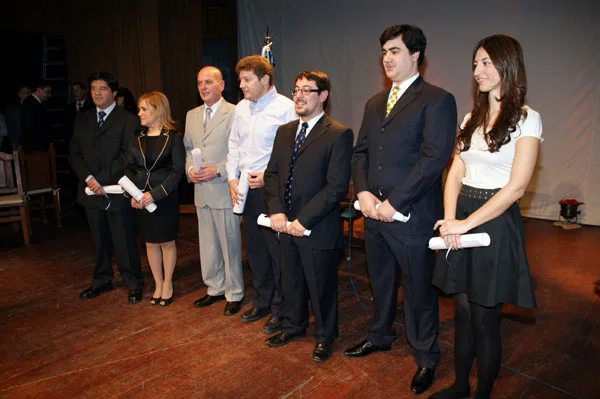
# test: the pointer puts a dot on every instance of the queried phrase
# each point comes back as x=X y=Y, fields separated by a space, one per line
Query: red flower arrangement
x=570 y=201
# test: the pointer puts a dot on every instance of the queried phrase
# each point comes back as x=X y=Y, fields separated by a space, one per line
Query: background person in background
x=80 y=103
x=13 y=117
x=35 y=124
x=126 y=100
x=155 y=163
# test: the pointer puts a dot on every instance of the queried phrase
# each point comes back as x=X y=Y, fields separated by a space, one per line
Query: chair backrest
x=10 y=174
x=39 y=169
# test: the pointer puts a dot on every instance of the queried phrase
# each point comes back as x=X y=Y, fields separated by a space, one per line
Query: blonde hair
x=160 y=103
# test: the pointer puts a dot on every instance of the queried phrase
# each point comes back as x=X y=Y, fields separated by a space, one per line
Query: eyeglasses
x=304 y=90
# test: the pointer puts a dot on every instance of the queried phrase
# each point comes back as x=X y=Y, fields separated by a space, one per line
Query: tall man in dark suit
x=35 y=124
x=405 y=141
x=306 y=178
x=100 y=137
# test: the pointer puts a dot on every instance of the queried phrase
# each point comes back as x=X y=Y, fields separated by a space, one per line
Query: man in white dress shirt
x=255 y=123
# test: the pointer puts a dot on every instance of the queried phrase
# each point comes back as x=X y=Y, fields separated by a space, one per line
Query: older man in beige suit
x=207 y=128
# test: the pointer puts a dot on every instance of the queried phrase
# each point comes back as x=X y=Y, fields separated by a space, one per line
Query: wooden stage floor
x=53 y=345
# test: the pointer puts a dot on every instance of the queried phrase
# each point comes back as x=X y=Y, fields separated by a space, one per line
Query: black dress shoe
x=422 y=380
x=232 y=308
x=94 y=292
x=365 y=348
x=208 y=300
x=135 y=296
x=283 y=338
x=321 y=353
x=254 y=314
x=273 y=325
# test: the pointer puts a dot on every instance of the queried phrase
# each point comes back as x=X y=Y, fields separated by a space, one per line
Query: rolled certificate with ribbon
x=466 y=241
x=243 y=189
x=397 y=216
x=197 y=159
x=263 y=220
x=135 y=192
x=112 y=189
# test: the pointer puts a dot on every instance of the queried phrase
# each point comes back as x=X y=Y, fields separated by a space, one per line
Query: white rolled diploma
x=135 y=192
x=112 y=189
x=243 y=189
x=263 y=220
x=197 y=159
x=466 y=241
x=397 y=216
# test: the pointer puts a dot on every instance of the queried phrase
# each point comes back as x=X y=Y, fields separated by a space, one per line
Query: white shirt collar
x=213 y=107
x=311 y=123
x=405 y=84
x=108 y=110
x=38 y=100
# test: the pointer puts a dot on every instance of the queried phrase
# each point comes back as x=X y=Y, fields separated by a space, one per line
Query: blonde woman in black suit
x=156 y=163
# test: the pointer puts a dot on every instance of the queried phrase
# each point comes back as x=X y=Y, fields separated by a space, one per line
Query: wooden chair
x=39 y=181
x=13 y=202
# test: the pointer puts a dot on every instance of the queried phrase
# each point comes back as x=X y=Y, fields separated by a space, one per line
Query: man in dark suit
x=100 y=137
x=13 y=118
x=35 y=125
x=405 y=141
x=80 y=103
x=306 y=178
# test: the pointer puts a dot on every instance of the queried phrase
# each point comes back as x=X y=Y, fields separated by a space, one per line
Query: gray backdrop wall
x=561 y=41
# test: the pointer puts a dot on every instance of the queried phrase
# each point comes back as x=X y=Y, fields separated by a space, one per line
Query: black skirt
x=160 y=225
x=489 y=275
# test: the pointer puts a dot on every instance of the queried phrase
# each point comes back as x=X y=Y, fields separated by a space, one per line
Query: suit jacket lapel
x=407 y=97
x=288 y=145
x=219 y=117
x=108 y=122
x=317 y=131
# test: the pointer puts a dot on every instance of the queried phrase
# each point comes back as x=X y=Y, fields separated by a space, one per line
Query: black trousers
x=310 y=273
x=264 y=255
x=390 y=255
x=114 y=230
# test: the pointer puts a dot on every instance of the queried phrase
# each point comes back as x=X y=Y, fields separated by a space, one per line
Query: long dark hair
x=506 y=55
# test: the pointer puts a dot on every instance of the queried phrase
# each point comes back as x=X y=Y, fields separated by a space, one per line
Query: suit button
x=380 y=167
x=380 y=148
x=382 y=129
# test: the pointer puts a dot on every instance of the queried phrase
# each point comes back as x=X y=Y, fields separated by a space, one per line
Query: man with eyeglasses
x=255 y=122
x=306 y=178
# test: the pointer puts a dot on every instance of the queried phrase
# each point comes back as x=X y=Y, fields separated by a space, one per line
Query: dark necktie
x=288 y=185
x=101 y=116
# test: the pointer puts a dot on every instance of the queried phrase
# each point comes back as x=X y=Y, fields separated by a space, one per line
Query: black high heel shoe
x=154 y=301
x=166 y=301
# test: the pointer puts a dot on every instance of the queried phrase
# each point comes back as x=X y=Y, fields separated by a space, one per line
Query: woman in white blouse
x=496 y=153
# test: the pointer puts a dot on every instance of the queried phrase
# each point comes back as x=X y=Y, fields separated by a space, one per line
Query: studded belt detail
x=478 y=193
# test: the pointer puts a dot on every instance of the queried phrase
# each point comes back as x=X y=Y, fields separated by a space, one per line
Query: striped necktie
x=207 y=117
x=101 y=115
x=288 y=185
x=392 y=100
